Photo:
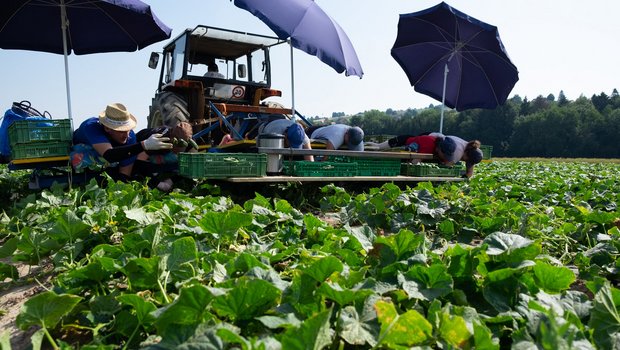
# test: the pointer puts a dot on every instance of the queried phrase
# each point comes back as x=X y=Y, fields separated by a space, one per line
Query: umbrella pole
x=443 y=97
x=63 y=19
x=292 y=82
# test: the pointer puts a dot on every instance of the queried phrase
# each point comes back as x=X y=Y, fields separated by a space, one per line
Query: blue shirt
x=91 y=132
x=332 y=133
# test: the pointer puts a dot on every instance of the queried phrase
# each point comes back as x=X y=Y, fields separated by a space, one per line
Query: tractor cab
x=189 y=89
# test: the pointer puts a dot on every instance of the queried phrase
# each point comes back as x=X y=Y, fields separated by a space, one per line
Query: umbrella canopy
x=310 y=29
x=454 y=58
x=78 y=26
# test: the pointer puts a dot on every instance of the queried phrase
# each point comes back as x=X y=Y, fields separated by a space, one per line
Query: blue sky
x=564 y=45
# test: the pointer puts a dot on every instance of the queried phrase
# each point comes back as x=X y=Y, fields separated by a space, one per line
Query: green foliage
x=500 y=259
x=542 y=127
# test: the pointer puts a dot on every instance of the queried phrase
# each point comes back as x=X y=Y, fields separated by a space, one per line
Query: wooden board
x=398 y=178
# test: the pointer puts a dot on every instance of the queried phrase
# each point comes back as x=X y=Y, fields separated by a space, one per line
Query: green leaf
x=426 y=283
x=69 y=227
x=8 y=247
x=201 y=337
x=511 y=248
x=461 y=262
x=314 y=333
x=270 y=276
x=142 y=272
x=553 y=279
x=403 y=244
x=508 y=272
x=248 y=299
x=601 y=217
x=502 y=295
x=342 y=296
x=190 y=308
x=483 y=337
x=364 y=235
x=245 y=262
x=8 y=271
x=37 y=339
x=231 y=337
x=453 y=330
x=397 y=330
x=46 y=310
x=141 y=216
x=446 y=227
x=321 y=269
x=181 y=257
x=378 y=287
x=605 y=319
x=99 y=269
x=315 y=228
x=125 y=322
x=104 y=308
x=225 y=224
x=274 y=322
x=5 y=340
x=356 y=329
x=143 y=308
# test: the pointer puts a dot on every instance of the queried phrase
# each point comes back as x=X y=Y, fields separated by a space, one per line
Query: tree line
x=543 y=127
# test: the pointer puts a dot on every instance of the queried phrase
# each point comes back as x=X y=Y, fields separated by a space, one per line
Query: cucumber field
x=524 y=255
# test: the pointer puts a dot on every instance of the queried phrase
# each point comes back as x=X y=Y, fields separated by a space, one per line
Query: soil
x=14 y=293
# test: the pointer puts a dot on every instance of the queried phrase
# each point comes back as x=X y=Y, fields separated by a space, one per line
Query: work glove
x=156 y=142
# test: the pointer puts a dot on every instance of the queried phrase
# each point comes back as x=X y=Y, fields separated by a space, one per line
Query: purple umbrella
x=78 y=26
x=310 y=30
x=454 y=58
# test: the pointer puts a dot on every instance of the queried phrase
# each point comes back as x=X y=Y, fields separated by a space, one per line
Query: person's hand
x=156 y=142
x=412 y=147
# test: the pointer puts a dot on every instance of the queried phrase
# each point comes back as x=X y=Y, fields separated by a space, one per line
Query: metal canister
x=274 y=161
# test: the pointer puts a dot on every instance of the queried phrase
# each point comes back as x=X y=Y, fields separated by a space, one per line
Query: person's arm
x=308 y=157
x=126 y=170
x=469 y=171
x=118 y=153
x=328 y=145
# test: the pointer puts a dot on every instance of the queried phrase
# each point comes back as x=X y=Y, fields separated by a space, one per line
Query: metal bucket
x=274 y=161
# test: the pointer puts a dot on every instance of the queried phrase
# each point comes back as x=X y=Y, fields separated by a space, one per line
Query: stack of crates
x=222 y=165
x=40 y=138
x=486 y=151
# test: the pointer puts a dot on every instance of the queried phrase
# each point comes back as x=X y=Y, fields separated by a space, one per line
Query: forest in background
x=542 y=127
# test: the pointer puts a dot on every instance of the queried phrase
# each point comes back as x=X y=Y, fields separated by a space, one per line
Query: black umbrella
x=78 y=26
x=454 y=58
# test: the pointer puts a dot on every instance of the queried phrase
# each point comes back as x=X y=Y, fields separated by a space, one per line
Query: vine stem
x=49 y=338
x=131 y=337
x=161 y=287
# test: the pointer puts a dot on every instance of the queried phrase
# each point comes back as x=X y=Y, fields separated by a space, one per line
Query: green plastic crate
x=422 y=170
x=320 y=169
x=44 y=130
x=374 y=166
x=486 y=151
x=222 y=165
x=40 y=150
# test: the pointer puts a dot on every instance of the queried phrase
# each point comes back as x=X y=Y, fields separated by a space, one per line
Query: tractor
x=233 y=103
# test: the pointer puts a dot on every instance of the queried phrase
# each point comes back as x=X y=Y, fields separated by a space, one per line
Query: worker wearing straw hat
x=109 y=142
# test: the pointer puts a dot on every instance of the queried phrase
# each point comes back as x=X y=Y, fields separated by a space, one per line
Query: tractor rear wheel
x=168 y=109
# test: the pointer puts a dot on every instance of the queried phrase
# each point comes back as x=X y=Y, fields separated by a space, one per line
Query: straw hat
x=116 y=117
